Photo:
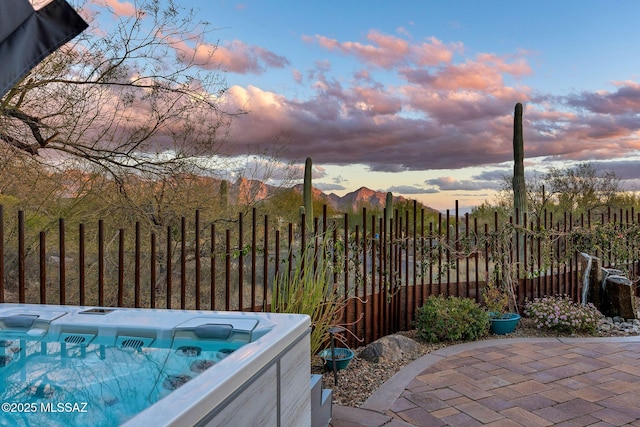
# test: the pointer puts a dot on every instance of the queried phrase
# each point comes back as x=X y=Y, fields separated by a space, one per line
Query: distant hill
x=355 y=200
x=364 y=196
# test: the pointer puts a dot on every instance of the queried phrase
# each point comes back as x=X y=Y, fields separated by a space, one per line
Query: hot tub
x=68 y=366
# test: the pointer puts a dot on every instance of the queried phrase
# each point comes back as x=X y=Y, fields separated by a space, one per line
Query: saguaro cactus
x=519 y=193
x=307 y=196
x=224 y=194
x=388 y=208
x=519 y=189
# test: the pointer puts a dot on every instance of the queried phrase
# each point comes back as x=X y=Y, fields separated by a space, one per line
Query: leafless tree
x=131 y=94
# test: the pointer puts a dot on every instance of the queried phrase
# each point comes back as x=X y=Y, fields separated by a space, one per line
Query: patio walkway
x=511 y=382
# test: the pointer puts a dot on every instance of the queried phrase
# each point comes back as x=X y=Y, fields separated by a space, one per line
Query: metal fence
x=385 y=268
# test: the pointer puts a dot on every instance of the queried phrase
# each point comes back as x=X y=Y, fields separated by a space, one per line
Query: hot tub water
x=67 y=366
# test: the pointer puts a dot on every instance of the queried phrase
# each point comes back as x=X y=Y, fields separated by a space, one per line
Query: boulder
x=391 y=348
x=608 y=289
x=619 y=297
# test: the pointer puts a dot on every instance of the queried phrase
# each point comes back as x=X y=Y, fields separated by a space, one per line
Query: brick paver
x=508 y=383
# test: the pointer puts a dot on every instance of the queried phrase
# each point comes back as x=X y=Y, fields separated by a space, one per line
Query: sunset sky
x=417 y=97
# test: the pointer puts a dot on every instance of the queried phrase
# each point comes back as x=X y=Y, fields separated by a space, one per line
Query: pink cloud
x=375 y=101
x=388 y=51
x=121 y=8
x=435 y=52
x=485 y=74
x=626 y=99
x=235 y=56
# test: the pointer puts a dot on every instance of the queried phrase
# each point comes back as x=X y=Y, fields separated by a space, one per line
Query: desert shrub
x=561 y=314
x=451 y=319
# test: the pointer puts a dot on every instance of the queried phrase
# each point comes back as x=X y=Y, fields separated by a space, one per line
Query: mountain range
x=247 y=189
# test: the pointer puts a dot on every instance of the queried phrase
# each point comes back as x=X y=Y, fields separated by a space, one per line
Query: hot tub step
x=316 y=389
x=321 y=400
x=321 y=416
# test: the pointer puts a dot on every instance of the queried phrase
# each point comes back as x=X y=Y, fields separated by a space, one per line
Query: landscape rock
x=620 y=326
x=391 y=348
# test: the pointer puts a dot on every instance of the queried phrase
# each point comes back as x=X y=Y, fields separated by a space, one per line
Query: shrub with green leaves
x=451 y=319
x=560 y=314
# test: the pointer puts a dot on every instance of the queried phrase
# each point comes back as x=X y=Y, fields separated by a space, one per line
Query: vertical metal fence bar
x=384 y=271
x=539 y=262
x=397 y=272
x=240 y=261
x=290 y=246
x=486 y=254
x=121 y=268
x=525 y=267
x=375 y=313
x=448 y=254
x=346 y=266
x=466 y=259
x=43 y=268
x=63 y=278
x=227 y=268
x=365 y=314
x=430 y=288
x=554 y=274
x=439 y=263
x=414 y=242
x=198 y=260
x=136 y=267
x=101 y=263
x=381 y=266
x=169 y=268
x=212 y=269
x=276 y=273
x=457 y=247
x=21 y=260
x=546 y=276
x=152 y=272
x=562 y=255
x=183 y=263
x=334 y=260
x=476 y=259
x=422 y=258
x=303 y=240
x=357 y=280
x=81 y=265
x=573 y=289
x=265 y=264
x=515 y=254
x=252 y=305
x=408 y=302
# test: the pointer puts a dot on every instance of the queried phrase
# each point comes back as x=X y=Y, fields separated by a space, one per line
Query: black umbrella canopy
x=27 y=36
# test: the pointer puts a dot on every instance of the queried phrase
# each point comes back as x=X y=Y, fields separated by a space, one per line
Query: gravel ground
x=361 y=378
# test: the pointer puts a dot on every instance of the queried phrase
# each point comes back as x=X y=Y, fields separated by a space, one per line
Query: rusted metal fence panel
x=384 y=267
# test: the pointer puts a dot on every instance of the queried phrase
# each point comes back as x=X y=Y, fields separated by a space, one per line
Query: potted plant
x=341 y=355
x=497 y=301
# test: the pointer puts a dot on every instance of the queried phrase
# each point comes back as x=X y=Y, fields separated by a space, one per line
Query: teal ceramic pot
x=343 y=357
x=505 y=323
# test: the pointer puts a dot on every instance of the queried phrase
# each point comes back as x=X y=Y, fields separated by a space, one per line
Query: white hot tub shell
x=264 y=382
